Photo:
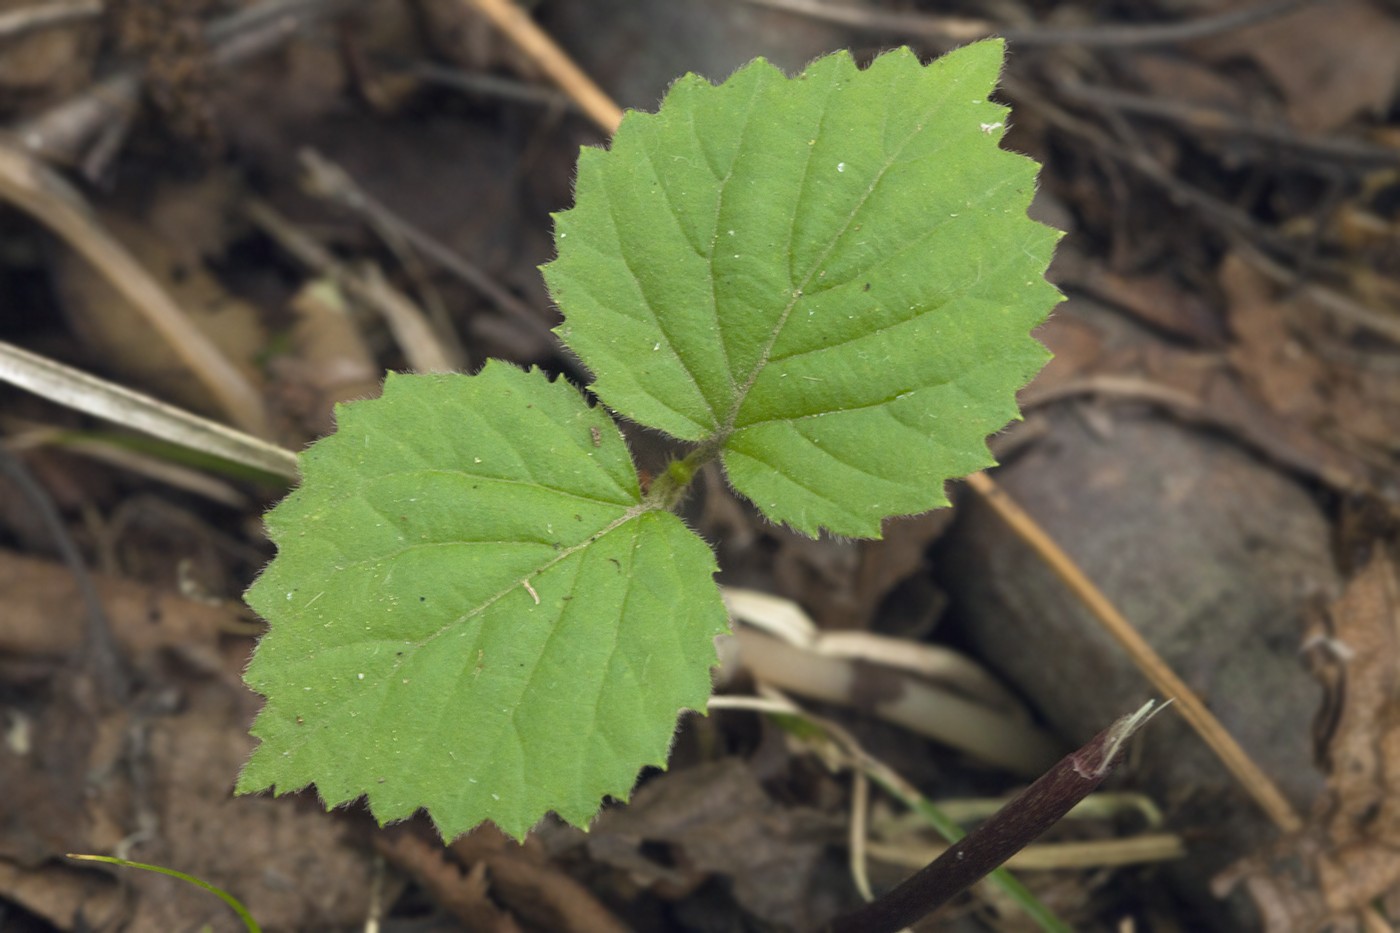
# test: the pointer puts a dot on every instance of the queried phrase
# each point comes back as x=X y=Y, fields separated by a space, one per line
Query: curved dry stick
x=422 y=346
x=1131 y=388
x=1255 y=781
x=956 y=28
x=327 y=179
x=41 y=193
x=788 y=622
x=961 y=29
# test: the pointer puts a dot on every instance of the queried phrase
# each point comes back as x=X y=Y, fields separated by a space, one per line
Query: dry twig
x=553 y=61
x=113 y=454
x=955 y=28
x=1058 y=856
x=328 y=180
x=860 y=809
x=961 y=29
x=415 y=336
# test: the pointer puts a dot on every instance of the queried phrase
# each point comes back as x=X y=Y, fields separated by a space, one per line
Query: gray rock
x=1210 y=553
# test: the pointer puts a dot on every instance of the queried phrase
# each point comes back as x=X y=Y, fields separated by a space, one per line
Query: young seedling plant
x=825 y=284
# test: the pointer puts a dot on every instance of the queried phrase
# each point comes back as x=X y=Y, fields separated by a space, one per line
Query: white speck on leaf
x=989 y=128
x=840 y=166
x=362 y=676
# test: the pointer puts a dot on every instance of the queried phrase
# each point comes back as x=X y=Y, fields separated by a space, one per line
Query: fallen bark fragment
x=1345 y=860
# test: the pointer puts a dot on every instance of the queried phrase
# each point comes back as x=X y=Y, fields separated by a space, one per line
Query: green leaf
x=831 y=278
x=473 y=610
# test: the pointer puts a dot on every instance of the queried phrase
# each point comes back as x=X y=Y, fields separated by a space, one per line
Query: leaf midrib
x=377 y=712
x=554 y=490
x=728 y=426
x=630 y=514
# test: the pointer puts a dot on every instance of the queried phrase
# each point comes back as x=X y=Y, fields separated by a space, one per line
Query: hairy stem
x=669 y=489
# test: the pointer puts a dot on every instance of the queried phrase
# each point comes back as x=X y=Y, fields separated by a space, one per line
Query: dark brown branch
x=1014 y=827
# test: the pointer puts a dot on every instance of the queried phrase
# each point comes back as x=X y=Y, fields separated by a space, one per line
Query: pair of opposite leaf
x=826 y=281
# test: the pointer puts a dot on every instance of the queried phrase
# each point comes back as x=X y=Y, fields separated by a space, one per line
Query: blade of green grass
x=228 y=898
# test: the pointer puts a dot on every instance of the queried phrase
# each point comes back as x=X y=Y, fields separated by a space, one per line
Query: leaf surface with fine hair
x=473 y=611
x=831 y=278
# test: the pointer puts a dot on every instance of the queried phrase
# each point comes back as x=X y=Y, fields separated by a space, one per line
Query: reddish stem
x=1014 y=827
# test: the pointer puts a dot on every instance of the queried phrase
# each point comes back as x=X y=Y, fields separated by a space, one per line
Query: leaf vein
x=656 y=319
x=892 y=158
